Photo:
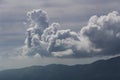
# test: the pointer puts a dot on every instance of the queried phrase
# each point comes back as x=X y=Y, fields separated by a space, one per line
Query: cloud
x=96 y=1
x=77 y=12
x=39 y=20
x=62 y=40
x=100 y=37
x=48 y=41
x=50 y=31
x=103 y=33
x=62 y=53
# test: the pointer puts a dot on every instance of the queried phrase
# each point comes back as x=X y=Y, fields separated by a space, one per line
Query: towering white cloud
x=50 y=31
x=100 y=37
x=63 y=40
x=39 y=21
x=103 y=32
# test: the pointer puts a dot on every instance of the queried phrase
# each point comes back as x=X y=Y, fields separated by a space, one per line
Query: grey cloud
x=103 y=32
x=100 y=37
x=50 y=31
x=95 y=1
x=11 y=39
x=69 y=13
x=51 y=39
x=39 y=20
x=2 y=2
x=62 y=40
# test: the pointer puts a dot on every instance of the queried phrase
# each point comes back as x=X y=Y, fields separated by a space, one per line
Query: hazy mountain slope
x=99 y=70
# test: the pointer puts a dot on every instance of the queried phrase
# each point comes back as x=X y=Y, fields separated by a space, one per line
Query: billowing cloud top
x=39 y=20
x=100 y=37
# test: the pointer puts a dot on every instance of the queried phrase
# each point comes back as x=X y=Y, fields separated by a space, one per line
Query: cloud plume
x=103 y=33
x=100 y=37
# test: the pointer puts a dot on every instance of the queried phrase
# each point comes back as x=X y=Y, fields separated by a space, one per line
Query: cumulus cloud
x=62 y=40
x=100 y=37
x=49 y=32
x=103 y=33
x=48 y=40
x=39 y=21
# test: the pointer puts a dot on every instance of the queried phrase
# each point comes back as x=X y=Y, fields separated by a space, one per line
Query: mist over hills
x=99 y=70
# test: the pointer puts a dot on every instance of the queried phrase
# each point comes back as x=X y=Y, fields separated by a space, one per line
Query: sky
x=70 y=14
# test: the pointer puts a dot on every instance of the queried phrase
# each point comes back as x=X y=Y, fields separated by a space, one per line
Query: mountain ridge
x=100 y=70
